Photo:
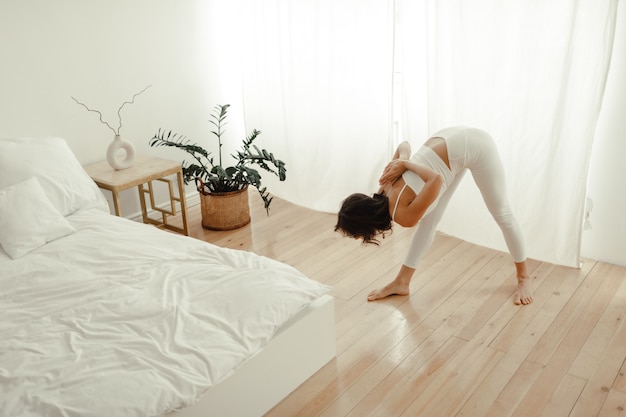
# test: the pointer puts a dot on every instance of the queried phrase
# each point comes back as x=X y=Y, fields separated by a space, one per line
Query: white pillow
x=28 y=220
x=51 y=160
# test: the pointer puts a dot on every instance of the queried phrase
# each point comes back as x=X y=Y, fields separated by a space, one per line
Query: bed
x=104 y=316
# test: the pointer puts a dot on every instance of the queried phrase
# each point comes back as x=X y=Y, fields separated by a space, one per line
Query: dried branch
x=132 y=100
x=96 y=111
x=119 y=115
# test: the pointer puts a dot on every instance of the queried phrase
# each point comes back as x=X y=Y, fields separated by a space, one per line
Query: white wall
x=103 y=52
x=606 y=240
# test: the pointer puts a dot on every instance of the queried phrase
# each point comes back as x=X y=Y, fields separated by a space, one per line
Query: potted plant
x=223 y=189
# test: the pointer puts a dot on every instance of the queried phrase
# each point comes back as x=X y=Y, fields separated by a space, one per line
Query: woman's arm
x=403 y=151
x=396 y=168
x=427 y=195
x=411 y=214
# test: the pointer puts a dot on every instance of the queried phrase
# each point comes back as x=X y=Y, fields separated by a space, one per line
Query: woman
x=416 y=191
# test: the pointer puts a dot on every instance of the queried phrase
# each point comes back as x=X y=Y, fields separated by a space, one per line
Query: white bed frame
x=298 y=350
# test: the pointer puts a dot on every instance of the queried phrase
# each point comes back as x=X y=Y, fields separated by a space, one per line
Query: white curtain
x=318 y=76
x=532 y=73
x=317 y=83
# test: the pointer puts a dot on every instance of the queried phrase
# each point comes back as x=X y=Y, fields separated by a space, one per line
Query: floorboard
x=457 y=346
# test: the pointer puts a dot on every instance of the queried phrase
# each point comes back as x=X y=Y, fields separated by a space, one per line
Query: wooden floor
x=457 y=346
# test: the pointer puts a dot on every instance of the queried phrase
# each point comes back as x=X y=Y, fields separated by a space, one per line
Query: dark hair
x=364 y=217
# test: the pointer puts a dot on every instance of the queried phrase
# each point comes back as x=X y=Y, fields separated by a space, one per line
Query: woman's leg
x=524 y=293
x=427 y=226
x=422 y=239
x=489 y=175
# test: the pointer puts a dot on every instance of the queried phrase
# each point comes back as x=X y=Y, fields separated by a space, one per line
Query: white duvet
x=122 y=319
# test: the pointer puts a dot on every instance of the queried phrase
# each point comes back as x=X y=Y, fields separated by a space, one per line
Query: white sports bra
x=425 y=156
x=416 y=186
x=395 y=207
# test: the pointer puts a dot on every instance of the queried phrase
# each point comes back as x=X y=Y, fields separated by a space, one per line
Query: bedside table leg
x=183 y=201
x=116 y=203
x=142 y=201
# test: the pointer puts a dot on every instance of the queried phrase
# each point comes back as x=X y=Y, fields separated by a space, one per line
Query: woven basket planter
x=225 y=211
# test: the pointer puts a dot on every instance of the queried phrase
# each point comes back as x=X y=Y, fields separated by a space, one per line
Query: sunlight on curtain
x=532 y=73
x=317 y=83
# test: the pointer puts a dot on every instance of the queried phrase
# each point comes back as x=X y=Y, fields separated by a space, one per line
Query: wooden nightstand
x=145 y=170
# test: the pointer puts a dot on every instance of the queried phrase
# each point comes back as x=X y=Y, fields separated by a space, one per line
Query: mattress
x=122 y=319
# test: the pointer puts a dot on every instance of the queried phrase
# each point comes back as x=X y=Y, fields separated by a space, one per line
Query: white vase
x=120 y=153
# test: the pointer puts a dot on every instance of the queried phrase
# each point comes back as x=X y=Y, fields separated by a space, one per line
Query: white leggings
x=474 y=150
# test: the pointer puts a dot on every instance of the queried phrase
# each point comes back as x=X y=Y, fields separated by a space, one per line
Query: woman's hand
x=392 y=172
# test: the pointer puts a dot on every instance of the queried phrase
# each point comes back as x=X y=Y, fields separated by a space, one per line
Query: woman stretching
x=416 y=191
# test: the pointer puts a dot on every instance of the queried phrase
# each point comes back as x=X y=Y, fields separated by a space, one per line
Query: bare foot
x=393 y=288
x=523 y=294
